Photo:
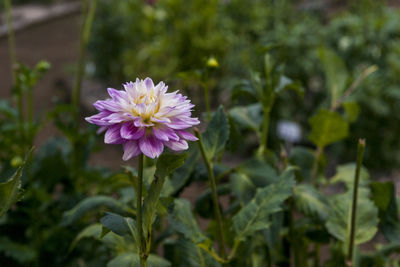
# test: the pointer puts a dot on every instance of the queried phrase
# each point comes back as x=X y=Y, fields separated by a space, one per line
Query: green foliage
x=217 y=134
x=91 y=203
x=338 y=223
x=384 y=197
x=10 y=191
x=122 y=226
x=254 y=215
x=129 y=259
x=335 y=71
x=327 y=127
x=310 y=201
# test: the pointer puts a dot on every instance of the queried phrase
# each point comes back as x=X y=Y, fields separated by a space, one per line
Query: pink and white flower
x=144 y=118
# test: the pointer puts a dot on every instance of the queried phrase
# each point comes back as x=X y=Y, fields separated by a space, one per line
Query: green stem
x=85 y=34
x=314 y=173
x=218 y=215
x=360 y=153
x=11 y=39
x=264 y=133
x=139 y=212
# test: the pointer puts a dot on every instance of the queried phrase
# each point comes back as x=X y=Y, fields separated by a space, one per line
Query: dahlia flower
x=144 y=118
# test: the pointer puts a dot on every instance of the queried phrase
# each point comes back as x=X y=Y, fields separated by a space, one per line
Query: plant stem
x=11 y=39
x=360 y=153
x=264 y=133
x=139 y=211
x=85 y=34
x=218 y=215
x=314 y=173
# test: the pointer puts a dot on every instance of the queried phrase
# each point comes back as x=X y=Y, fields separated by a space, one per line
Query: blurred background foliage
x=172 y=40
x=192 y=45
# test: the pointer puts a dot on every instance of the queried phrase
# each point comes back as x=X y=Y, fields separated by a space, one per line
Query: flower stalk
x=360 y=153
x=213 y=185
x=139 y=211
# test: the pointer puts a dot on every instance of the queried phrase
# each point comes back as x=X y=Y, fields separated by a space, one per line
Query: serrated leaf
x=327 y=127
x=92 y=203
x=179 y=178
x=165 y=165
x=335 y=72
x=242 y=187
x=193 y=256
x=182 y=221
x=10 y=191
x=255 y=215
x=310 y=201
x=217 y=134
x=132 y=260
x=338 y=223
x=123 y=226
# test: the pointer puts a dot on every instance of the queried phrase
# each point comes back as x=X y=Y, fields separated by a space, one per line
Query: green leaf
x=242 y=187
x=304 y=159
x=166 y=164
x=217 y=134
x=10 y=191
x=248 y=116
x=327 y=127
x=260 y=172
x=204 y=203
x=286 y=83
x=92 y=203
x=130 y=259
x=181 y=219
x=338 y=223
x=92 y=231
x=384 y=197
x=255 y=215
x=193 y=256
x=352 y=110
x=21 y=253
x=310 y=201
x=335 y=72
x=123 y=226
x=345 y=174
x=180 y=177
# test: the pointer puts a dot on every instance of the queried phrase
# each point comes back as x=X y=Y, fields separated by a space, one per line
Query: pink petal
x=177 y=145
x=187 y=136
x=149 y=83
x=129 y=131
x=151 y=146
x=131 y=149
x=113 y=136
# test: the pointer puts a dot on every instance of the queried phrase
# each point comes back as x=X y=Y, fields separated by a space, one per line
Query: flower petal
x=151 y=146
x=149 y=83
x=187 y=136
x=129 y=131
x=131 y=149
x=177 y=145
x=113 y=136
